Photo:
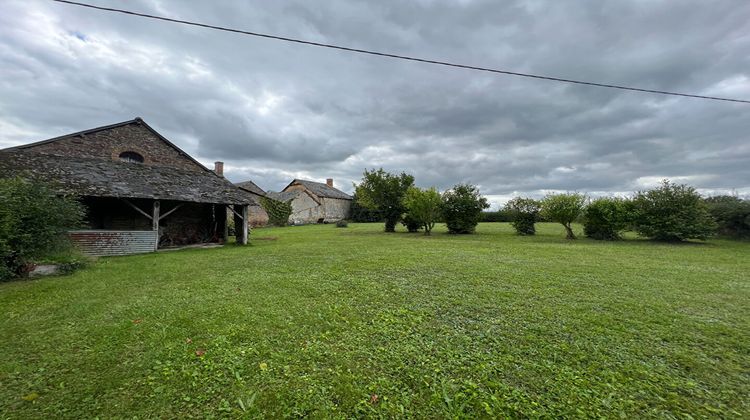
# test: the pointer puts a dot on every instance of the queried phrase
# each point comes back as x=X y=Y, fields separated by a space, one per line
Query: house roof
x=284 y=196
x=109 y=178
x=320 y=189
x=251 y=187
x=136 y=120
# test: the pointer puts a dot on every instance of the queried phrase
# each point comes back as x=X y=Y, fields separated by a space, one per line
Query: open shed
x=141 y=191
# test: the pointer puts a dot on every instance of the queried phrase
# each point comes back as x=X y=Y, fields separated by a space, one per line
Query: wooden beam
x=155 y=222
x=136 y=208
x=231 y=207
x=170 y=212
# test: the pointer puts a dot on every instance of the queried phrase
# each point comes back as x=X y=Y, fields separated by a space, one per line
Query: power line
x=400 y=57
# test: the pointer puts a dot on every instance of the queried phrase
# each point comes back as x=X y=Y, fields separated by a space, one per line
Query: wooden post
x=237 y=224
x=225 y=209
x=245 y=230
x=155 y=223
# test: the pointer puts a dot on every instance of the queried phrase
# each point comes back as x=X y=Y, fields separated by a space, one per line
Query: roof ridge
x=77 y=133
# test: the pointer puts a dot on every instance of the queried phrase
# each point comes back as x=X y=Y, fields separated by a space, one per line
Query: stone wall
x=257 y=216
x=336 y=209
x=108 y=144
x=305 y=210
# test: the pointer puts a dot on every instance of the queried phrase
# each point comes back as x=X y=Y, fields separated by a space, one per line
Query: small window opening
x=131 y=157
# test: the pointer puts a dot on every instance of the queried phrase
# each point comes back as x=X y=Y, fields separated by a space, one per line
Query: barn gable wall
x=305 y=210
x=109 y=143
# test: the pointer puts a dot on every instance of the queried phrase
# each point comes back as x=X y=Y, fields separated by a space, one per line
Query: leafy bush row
x=670 y=212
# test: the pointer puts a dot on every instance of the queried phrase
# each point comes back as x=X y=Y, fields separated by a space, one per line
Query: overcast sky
x=274 y=111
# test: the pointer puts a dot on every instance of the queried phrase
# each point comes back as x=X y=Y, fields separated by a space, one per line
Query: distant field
x=325 y=322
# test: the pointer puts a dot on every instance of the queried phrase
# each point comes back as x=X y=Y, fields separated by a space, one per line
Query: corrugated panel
x=113 y=242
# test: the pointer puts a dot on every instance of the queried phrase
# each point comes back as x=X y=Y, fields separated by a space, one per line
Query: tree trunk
x=569 y=231
x=390 y=225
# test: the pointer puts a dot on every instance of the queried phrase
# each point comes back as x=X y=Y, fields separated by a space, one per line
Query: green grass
x=315 y=321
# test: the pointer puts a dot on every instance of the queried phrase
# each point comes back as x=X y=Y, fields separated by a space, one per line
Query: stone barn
x=141 y=191
x=314 y=202
x=258 y=215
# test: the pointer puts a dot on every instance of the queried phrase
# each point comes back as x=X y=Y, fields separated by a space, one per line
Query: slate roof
x=321 y=190
x=284 y=196
x=106 y=178
x=252 y=187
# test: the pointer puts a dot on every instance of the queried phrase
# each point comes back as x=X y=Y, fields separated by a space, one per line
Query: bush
x=425 y=207
x=384 y=192
x=524 y=213
x=496 y=216
x=605 y=218
x=33 y=223
x=462 y=208
x=278 y=211
x=732 y=215
x=672 y=212
x=411 y=223
x=360 y=214
x=564 y=209
x=342 y=223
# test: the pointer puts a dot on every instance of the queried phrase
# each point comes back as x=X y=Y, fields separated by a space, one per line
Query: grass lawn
x=325 y=322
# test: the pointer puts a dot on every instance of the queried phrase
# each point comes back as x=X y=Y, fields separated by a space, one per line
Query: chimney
x=219 y=168
x=329 y=182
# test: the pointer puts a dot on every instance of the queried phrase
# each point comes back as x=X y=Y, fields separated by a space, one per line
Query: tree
x=672 y=212
x=524 y=213
x=33 y=222
x=563 y=209
x=605 y=218
x=425 y=206
x=462 y=208
x=384 y=192
x=731 y=214
x=278 y=211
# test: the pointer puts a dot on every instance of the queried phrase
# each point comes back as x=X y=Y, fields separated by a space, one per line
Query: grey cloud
x=274 y=111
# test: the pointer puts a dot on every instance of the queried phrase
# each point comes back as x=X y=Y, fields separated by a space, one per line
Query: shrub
x=732 y=215
x=605 y=218
x=33 y=223
x=524 y=213
x=342 y=223
x=360 y=214
x=564 y=209
x=496 y=216
x=278 y=211
x=672 y=212
x=424 y=207
x=462 y=208
x=384 y=192
x=411 y=223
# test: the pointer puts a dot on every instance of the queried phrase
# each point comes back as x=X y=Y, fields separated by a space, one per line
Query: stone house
x=314 y=202
x=140 y=190
x=258 y=215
